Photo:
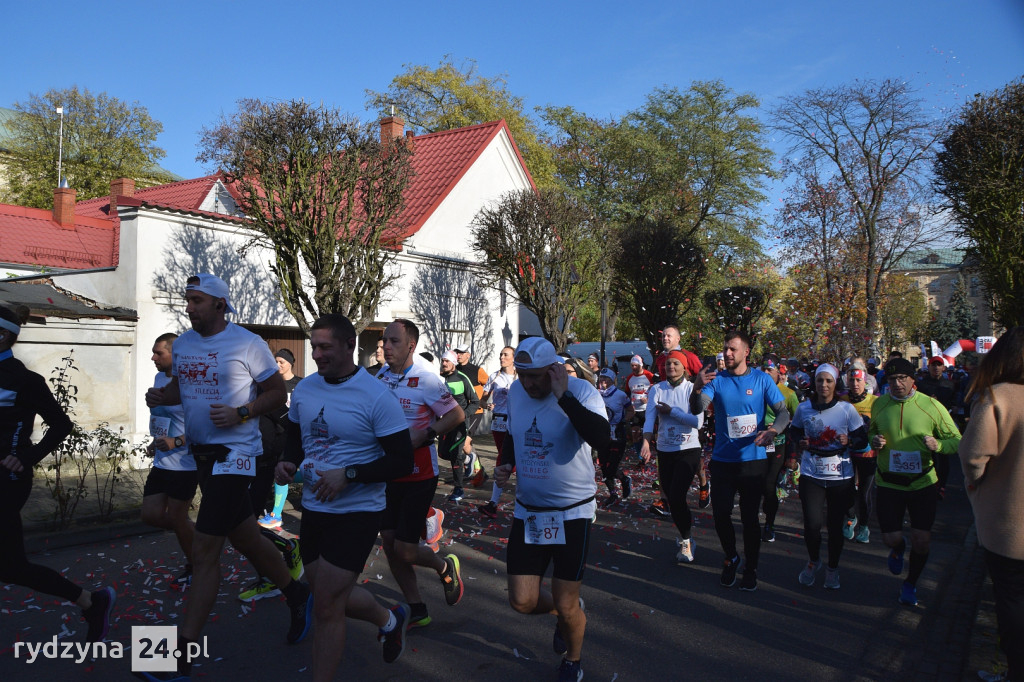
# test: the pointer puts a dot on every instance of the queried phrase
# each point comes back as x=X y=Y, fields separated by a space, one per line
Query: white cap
x=536 y=352
x=214 y=286
x=637 y=360
x=450 y=356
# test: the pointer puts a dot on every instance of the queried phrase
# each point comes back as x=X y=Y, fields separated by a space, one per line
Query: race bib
x=905 y=462
x=159 y=426
x=236 y=465
x=828 y=467
x=499 y=423
x=545 y=528
x=742 y=425
x=770 y=448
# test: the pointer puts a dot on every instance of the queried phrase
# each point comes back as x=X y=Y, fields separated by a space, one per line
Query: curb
x=120 y=525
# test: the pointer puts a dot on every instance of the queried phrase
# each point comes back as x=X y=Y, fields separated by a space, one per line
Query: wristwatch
x=179 y=441
x=351 y=473
x=243 y=413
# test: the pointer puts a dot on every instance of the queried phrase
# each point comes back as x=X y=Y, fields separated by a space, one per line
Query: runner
x=936 y=385
x=620 y=413
x=824 y=432
x=554 y=421
x=348 y=434
x=638 y=383
x=739 y=462
x=776 y=451
x=908 y=430
x=678 y=444
x=495 y=399
x=863 y=458
x=172 y=482
x=285 y=360
x=23 y=395
x=451 y=444
x=430 y=410
x=217 y=368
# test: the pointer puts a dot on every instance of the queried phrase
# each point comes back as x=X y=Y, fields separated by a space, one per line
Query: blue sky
x=188 y=62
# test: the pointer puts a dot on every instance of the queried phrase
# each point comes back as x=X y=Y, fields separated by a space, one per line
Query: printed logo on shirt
x=750 y=391
x=414 y=382
x=198 y=369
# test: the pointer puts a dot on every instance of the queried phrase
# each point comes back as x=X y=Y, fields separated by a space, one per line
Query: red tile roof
x=186 y=195
x=30 y=236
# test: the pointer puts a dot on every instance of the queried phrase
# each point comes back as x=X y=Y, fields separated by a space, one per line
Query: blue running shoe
x=896 y=560
x=908 y=594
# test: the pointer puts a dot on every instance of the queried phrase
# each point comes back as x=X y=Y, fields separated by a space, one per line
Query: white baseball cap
x=214 y=286
x=536 y=352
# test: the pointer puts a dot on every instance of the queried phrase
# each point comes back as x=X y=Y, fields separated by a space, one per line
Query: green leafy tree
x=739 y=307
x=980 y=172
x=456 y=95
x=902 y=313
x=542 y=245
x=104 y=139
x=324 y=194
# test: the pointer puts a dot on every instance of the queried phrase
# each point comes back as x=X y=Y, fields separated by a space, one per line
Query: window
x=975 y=287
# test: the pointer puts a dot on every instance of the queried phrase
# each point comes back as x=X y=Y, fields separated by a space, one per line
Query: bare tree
x=542 y=244
x=876 y=141
x=324 y=194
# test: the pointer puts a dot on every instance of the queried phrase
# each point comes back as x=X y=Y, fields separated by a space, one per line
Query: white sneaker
x=685 y=553
x=831 y=578
x=807 y=575
x=434 y=531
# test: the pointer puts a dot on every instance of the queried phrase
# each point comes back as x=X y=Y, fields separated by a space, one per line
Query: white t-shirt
x=340 y=425
x=615 y=404
x=554 y=464
x=638 y=387
x=169 y=421
x=822 y=430
x=497 y=385
x=424 y=398
x=678 y=429
x=221 y=369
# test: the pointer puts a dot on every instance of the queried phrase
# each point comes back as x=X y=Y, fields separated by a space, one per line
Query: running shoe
x=705 y=495
x=452 y=580
x=729 y=568
x=849 y=528
x=768 y=534
x=301 y=606
x=863 y=535
x=570 y=671
x=749 y=581
x=293 y=559
x=627 y=486
x=183 y=580
x=908 y=594
x=896 y=560
x=558 y=642
x=659 y=508
x=269 y=521
x=831 y=578
x=809 y=573
x=97 y=616
x=685 y=553
x=479 y=478
x=457 y=494
x=262 y=588
x=394 y=639
x=490 y=510
x=610 y=501
x=418 y=616
x=433 y=530
x=986 y=676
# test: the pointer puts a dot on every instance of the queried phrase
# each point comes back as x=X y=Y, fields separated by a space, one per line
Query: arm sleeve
x=293 y=451
x=396 y=462
x=592 y=427
x=687 y=419
x=59 y=425
x=781 y=416
x=699 y=401
x=858 y=438
x=508 y=450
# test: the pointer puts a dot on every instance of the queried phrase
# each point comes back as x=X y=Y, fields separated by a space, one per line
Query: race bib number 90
x=499 y=423
x=742 y=425
x=546 y=528
x=237 y=465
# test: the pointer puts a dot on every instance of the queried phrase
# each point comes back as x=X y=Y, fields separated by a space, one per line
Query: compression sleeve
x=293 y=451
x=781 y=416
x=508 y=450
x=58 y=423
x=699 y=402
x=687 y=419
x=396 y=462
x=592 y=427
x=858 y=439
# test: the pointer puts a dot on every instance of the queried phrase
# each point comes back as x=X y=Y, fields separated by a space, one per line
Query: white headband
x=10 y=326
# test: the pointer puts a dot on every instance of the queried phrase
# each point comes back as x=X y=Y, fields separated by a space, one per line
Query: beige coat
x=992 y=456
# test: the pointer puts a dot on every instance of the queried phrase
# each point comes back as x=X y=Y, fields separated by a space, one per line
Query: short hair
x=671 y=326
x=341 y=327
x=737 y=334
x=167 y=338
x=895 y=354
x=411 y=329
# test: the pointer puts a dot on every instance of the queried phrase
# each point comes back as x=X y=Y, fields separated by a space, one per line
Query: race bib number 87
x=545 y=528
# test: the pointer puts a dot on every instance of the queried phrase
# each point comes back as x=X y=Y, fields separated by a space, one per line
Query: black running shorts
x=342 y=540
x=891 y=504
x=570 y=559
x=225 y=502
x=177 y=485
x=407 y=505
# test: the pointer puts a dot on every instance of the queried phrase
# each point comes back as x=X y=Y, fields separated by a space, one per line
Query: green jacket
x=904 y=425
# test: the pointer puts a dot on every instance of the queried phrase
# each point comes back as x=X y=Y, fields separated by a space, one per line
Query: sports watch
x=243 y=413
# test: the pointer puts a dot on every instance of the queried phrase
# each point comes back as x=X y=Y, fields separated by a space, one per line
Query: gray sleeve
x=781 y=417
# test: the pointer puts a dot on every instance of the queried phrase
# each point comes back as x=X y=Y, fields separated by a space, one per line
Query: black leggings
x=747 y=479
x=14 y=565
x=771 y=480
x=676 y=471
x=262 y=483
x=835 y=501
x=865 y=468
x=609 y=462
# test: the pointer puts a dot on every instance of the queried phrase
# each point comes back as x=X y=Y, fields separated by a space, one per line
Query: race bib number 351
x=905 y=462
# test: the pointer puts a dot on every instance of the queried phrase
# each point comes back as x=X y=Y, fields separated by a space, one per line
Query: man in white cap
x=554 y=421
x=216 y=369
x=453 y=445
x=638 y=383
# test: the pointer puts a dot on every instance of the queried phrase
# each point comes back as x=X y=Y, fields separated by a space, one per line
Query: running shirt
x=615 y=404
x=905 y=463
x=678 y=429
x=825 y=458
x=340 y=425
x=740 y=403
x=637 y=386
x=792 y=402
x=554 y=464
x=424 y=399
x=222 y=369
x=863 y=408
x=23 y=395
x=169 y=421
x=498 y=385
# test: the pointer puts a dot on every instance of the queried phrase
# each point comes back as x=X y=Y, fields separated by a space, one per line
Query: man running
x=495 y=399
x=430 y=411
x=620 y=414
x=217 y=367
x=776 y=450
x=452 y=445
x=908 y=430
x=172 y=481
x=347 y=433
x=554 y=421
x=739 y=462
x=638 y=383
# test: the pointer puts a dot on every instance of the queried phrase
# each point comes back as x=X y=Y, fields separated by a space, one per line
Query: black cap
x=900 y=366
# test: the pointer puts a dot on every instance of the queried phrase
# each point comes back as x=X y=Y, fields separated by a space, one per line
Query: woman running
x=23 y=395
x=495 y=399
x=825 y=430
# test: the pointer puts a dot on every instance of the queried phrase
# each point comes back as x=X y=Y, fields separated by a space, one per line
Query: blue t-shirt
x=740 y=403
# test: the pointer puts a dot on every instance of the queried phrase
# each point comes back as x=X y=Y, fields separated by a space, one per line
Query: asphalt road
x=648 y=618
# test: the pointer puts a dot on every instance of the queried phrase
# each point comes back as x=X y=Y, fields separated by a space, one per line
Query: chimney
x=64 y=207
x=119 y=187
x=391 y=127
